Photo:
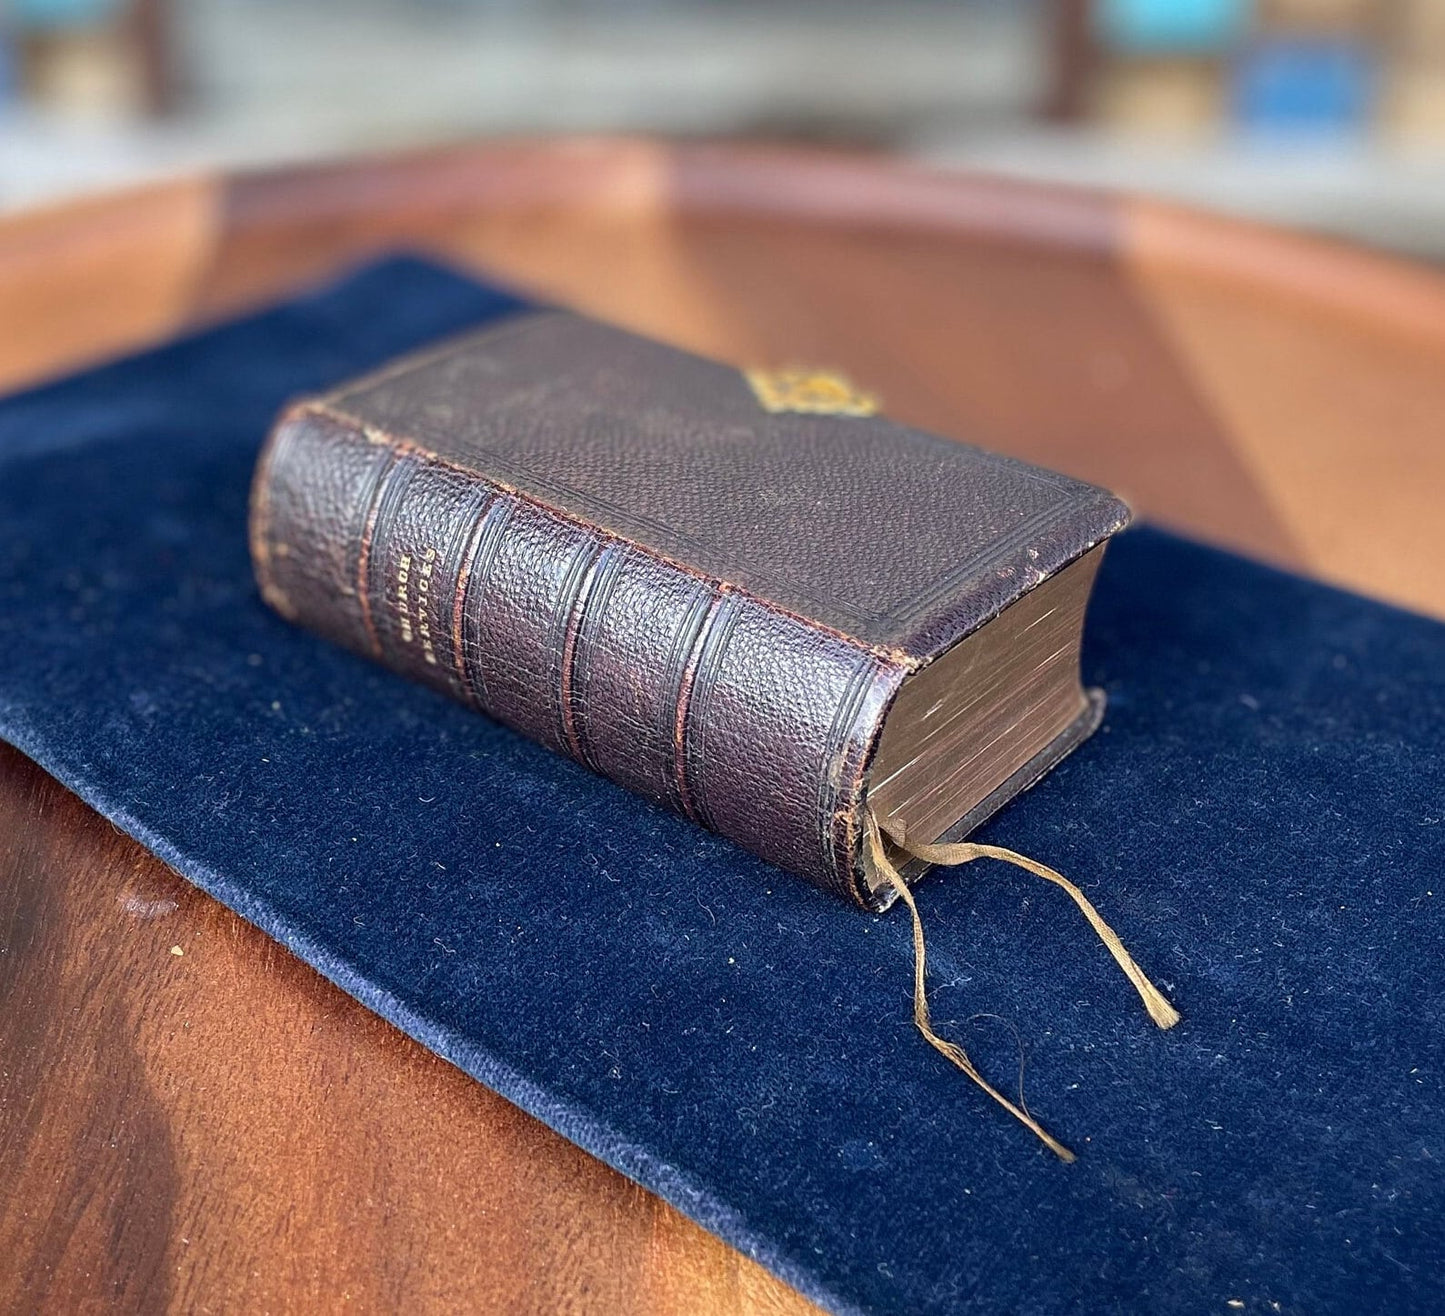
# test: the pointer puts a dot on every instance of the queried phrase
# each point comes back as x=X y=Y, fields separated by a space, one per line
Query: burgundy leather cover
x=609 y=545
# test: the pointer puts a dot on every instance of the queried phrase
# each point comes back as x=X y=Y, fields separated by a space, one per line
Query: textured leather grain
x=610 y=546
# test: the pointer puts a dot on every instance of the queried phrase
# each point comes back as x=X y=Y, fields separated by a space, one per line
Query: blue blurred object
x=1171 y=27
x=48 y=15
x=9 y=71
x=1305 y=85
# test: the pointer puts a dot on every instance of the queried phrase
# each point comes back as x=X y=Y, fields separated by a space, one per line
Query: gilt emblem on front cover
x=810 y=392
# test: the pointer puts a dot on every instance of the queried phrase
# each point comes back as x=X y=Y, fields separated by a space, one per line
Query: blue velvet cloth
x=1262 y=818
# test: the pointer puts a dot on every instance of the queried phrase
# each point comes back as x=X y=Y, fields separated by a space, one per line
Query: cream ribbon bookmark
x=963 y=852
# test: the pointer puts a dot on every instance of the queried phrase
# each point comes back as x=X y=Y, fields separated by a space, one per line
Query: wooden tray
x=225 y=1130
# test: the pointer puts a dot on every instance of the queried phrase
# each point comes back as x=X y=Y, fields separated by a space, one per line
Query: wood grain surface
x=219 y=1129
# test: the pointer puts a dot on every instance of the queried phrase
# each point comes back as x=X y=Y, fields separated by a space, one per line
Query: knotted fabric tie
x=963 y=852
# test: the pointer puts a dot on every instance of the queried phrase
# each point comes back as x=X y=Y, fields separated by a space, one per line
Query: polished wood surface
x=219 y=1129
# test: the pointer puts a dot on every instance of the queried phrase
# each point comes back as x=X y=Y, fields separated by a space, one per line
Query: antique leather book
x=740 y=594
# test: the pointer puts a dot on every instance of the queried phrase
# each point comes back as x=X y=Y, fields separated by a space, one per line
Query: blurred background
x=1325 y=114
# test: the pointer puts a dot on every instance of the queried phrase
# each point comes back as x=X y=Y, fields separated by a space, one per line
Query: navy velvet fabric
x=1262 y=817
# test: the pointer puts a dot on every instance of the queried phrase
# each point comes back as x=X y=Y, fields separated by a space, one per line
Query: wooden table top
x=221 y=1129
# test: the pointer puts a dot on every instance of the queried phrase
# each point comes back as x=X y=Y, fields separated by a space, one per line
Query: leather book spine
x=686 y=689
